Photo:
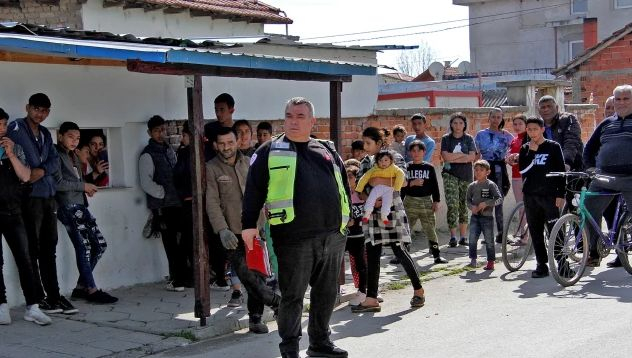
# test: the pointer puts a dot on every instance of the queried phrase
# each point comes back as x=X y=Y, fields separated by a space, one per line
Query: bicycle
x=568 y=240
x=516 y=245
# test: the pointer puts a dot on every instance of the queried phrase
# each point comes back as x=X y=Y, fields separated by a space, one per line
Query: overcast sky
x=333 y=17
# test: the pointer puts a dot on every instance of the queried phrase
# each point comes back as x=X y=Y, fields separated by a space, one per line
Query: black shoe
x=499 y=238
x=290 y=355
x=614 y=263
x=453 y=242
x=440 y=260
x=593 y=262
x=328 y=351
x=78 y=294
x=463 y=242
x=66 y=306
x=540 y=271
x=49 y=306
x=255 y=325
x=101 y=297
x=565 y=270
x=395 y=261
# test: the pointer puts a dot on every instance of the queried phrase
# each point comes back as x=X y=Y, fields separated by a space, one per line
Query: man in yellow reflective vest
x=304 y=188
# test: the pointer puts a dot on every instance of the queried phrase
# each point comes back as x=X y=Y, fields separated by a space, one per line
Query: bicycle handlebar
x=591 y=175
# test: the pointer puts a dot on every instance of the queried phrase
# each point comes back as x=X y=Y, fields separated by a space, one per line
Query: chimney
x=446 y=64
x=590 y=32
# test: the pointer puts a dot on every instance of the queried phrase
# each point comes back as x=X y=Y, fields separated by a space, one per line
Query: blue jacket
x=44 y=156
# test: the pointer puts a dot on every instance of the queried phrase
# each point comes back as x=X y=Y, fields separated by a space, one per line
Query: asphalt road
x=473 y=314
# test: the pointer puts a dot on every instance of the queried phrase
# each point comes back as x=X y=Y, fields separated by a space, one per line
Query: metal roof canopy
x=198 y=62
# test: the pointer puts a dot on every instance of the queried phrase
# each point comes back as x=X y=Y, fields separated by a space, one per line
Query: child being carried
x=384 y=167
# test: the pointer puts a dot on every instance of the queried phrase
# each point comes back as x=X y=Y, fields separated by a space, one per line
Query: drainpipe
x=287 y=31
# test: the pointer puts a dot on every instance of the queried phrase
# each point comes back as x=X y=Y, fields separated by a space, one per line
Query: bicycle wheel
x=516 y=245
x=624 y=243
x=567 y=259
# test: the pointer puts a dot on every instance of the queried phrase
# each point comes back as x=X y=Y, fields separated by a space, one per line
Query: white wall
x=403 y=103
x=456 y=102
x=98 y=97
x=156 y=23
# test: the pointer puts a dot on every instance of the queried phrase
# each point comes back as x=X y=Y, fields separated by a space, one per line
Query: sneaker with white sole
x=358 y=298
x=5 y=314
x=34 y=314
x=216 y=287
x=172 y=288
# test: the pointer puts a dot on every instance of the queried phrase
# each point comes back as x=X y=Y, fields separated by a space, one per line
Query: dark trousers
x=12 y=228
x=355 y=247
x=259 y=294
x=540 y=211
x=302 y=261
x=86 y=238
x=170 y=220
x=499 y=176
x=186 y=240
x=374 y=252
x=217 y=256
x=40 y=221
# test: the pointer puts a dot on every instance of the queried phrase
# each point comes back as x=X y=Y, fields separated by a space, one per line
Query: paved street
x=474 y=314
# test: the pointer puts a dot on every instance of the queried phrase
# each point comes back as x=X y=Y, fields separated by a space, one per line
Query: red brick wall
x=437 y=120
x=64 y=13
x=616 y=59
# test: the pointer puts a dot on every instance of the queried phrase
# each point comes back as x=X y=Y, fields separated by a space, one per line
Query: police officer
x=304 y=187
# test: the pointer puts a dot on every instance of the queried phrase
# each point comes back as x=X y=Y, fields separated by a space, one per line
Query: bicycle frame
x=609 y=240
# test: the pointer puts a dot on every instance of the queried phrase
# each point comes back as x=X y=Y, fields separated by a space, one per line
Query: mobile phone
x=1 y=152
x=103 y=155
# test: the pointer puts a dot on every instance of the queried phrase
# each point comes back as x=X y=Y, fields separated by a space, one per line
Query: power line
x=429 y=32
x=436 y=23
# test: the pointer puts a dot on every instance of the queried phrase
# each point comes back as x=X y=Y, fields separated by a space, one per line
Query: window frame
x=618 y=6
x=575 y=12
x=570 y=49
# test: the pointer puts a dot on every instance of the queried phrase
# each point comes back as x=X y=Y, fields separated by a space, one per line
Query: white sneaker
x=358 y=298
x=34 y=314
x=172 y=288
x=215 y=287
x=5 y=314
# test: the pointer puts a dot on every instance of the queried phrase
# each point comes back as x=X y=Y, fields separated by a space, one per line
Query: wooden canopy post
x=335 y=120
x=202 y=307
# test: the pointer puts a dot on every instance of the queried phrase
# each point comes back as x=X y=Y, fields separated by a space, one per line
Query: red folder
x=257 y=259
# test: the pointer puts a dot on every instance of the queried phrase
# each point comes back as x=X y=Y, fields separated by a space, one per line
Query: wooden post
x=335 y=120
x=202 y=307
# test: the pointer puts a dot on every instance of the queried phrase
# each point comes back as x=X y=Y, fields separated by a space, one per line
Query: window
x=579 y=6
x=621 y=4
x=93 y=153
x=575 y=48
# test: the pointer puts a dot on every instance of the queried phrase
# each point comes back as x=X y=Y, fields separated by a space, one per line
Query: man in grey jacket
x=73 y=212
x=225 y=184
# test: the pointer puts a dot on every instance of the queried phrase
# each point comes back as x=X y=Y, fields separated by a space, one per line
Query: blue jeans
x=482 y=224
x=86 y=238
x=315 y=261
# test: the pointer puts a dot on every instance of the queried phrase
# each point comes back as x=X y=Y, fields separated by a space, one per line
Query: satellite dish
x=464 y=67
x=436 y=70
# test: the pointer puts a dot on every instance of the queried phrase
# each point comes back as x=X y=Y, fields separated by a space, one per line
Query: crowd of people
x=263 y=195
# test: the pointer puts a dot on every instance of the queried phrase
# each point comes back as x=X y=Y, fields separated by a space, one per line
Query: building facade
x=518 y=35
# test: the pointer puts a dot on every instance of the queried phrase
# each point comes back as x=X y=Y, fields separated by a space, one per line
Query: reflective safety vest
x=282 y=171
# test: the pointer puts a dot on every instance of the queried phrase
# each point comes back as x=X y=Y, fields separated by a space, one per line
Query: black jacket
x=534 y=166
x=567 y=132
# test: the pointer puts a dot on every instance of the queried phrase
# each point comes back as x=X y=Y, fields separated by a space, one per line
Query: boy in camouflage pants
x=422 y=196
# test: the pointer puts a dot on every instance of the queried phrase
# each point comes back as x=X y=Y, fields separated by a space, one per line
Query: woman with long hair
x=394 y=234
x=458 y=152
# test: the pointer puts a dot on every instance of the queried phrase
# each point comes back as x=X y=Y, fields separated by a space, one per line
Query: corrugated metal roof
x=174 y=54
x=495 y=97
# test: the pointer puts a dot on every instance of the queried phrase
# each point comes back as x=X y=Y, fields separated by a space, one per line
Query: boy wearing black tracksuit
x=543 y=196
